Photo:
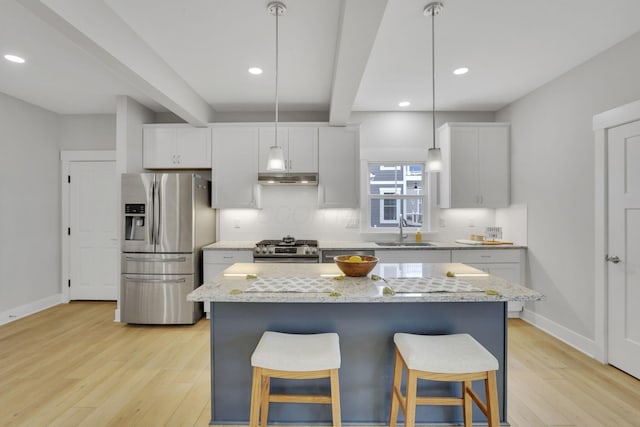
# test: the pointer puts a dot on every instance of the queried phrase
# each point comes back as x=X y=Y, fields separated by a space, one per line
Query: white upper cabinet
x=234 y=173
x=300 y=146
x=176 y=147
x=475 y=165
x=338 y=167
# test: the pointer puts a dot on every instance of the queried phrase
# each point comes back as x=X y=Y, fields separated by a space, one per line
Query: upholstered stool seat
x=457 y=357
x=294 y=356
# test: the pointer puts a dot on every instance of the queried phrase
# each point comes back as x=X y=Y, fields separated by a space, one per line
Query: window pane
x=384 y=212
x=395 y=179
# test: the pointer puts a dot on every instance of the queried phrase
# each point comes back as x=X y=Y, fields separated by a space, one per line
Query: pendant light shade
x=434 y=160
x=275 y=160
x=434 y=155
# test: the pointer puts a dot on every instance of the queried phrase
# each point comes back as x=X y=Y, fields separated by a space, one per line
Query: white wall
x=88 y=132
x=552 y=164
x=130 y=116
x=29 y=206
x=288 y=210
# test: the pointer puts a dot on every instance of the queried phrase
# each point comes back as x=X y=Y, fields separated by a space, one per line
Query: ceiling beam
x=95 y=27
x=359 y=24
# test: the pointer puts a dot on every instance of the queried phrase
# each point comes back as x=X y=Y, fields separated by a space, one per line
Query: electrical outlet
x=442 y=223
x=472 y=222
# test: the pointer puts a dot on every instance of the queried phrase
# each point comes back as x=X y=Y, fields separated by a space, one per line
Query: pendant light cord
x=276 y=125
x=433 y=75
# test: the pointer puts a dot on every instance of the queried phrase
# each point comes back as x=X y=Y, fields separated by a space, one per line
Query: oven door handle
x=291 y=260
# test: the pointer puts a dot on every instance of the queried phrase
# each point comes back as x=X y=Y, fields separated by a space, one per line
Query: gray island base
x=365 y=318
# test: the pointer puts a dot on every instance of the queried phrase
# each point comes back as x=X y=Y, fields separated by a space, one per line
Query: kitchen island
x=248 y=299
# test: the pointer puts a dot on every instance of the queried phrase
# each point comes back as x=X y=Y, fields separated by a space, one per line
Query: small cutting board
x=482 y=242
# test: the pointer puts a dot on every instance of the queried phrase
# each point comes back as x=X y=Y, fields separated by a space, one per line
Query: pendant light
x=275 y=160
x=434 y=155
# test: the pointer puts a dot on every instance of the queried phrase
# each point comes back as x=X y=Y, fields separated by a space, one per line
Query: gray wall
x=552 y=164
x=30 y=196
x=88 y=132
x=29 y=203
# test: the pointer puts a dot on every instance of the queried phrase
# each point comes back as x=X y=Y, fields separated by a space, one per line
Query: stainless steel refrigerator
x=166 y=220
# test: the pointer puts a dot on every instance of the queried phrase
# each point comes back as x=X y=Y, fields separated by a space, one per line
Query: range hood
x=288 y=178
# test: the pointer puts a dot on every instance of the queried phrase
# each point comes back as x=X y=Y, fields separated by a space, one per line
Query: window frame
x=427 y=197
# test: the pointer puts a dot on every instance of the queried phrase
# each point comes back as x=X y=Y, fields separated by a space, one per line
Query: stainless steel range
x=288 y=249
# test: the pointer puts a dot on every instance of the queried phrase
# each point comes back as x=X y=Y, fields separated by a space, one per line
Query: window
x=396 y=189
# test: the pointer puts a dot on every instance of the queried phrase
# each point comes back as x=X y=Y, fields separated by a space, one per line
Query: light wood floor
x=72 y=365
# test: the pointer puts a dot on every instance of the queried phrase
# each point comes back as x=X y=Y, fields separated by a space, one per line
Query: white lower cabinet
x=505 y=263
x=216 y=261
x=411 y=255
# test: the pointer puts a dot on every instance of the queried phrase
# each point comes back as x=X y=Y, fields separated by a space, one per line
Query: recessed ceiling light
x=460 y=71
x=404 y=104
x=14 y=58
x=255 y=71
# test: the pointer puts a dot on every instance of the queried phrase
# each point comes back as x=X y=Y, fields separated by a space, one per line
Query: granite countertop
x=230 y=286
x=344 y=245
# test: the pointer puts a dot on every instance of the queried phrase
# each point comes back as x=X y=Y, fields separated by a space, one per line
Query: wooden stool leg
x=467 y=408
x=491 y=391
x=411 y=393
x=395 y=388
x=335 y=399
x=255 y=397
x=264 y=410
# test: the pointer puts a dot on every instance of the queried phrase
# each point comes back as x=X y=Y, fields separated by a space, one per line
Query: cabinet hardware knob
x=614 y=259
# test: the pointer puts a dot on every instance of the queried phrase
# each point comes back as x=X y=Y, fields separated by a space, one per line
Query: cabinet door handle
x=141 y=280
x=614 y=259
x=140 y=259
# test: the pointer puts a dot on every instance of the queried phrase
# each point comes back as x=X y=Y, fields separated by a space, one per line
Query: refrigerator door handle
x=137 y=279
x=156 y=211
x=151 y=213
x=159 y=200
x=139 y=259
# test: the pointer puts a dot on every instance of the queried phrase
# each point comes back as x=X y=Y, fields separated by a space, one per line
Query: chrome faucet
x=402 y=235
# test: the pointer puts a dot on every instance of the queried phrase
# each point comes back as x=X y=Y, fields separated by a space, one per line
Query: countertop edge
x=329 y=245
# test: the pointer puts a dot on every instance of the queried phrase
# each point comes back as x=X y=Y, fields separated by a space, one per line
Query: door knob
x=614 y=259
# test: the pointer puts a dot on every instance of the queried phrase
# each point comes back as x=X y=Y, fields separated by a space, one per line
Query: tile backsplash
x=293 y=211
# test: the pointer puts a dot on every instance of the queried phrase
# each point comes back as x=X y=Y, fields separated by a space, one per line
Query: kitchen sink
x=405 y=244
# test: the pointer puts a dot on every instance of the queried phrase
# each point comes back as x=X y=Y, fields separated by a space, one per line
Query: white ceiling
x=191 y=56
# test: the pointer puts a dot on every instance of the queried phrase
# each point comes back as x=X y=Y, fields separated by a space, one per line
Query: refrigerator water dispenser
x=134 y=221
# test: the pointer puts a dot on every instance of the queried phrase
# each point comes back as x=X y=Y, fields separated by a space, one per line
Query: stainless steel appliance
x=166 y=220
x=327 y=256
x=288 y=249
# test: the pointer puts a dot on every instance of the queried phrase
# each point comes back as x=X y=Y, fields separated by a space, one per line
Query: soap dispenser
x=418 y=236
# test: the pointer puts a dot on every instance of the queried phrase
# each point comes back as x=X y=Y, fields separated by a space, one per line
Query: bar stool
x=457 y=357
x=294 y=356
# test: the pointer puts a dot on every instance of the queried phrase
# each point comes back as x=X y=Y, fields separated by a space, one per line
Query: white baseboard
x=117 y=315
x=31 y=308
x=569 y=337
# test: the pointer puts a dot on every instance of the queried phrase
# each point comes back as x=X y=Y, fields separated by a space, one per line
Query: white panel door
x=624 y=243
x=93 y=218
